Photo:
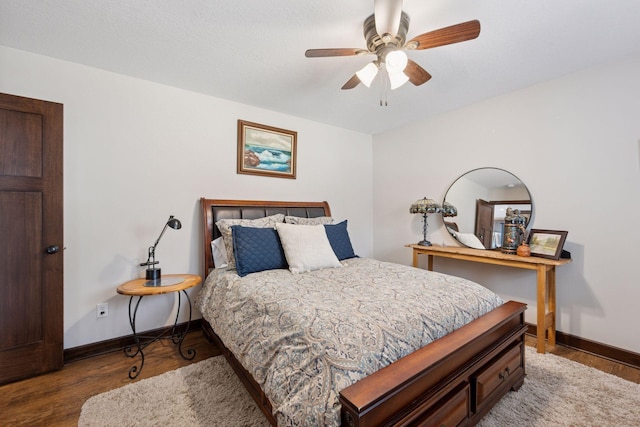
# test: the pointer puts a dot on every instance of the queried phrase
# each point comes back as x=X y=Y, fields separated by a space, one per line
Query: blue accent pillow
x=339 y=239
x=257 y=249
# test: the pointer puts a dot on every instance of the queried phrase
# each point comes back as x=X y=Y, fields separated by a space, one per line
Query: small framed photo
x=266 y=150
x=547 y=243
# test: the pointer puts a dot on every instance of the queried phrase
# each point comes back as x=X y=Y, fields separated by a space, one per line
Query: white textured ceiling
x=252 y=51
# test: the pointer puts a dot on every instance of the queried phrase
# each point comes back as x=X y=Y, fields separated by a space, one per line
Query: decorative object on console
x=153 y=273
x=547 y=243
x=425 y=206
x=523 y=249
x=512 y=234
x=266 y=150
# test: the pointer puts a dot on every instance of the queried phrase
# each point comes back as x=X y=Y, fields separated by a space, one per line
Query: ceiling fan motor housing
x=375 y=41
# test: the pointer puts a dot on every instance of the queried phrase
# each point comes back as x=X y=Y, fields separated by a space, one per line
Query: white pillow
x=306 y=247
x=219 y=253
x=308 y=221
x=469 y=239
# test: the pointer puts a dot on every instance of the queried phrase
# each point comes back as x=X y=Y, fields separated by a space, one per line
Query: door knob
x=52 y=249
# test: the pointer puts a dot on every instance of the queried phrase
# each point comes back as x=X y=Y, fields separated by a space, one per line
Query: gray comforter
x=304 y=337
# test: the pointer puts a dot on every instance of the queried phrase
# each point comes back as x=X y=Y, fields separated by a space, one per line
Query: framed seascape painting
x=547 y=243
x=266 y=150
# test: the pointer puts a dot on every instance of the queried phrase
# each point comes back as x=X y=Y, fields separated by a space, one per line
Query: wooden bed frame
x=453 y=381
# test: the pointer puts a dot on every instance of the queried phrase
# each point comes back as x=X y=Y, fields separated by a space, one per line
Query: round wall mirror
x=480 y=199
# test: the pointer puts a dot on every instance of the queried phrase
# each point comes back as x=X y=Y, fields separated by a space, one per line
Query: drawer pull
x=504 y=375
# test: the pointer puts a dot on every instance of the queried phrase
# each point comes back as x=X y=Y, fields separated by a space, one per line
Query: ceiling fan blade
x=448 y=35
x=318 y=53
x=417 y=75
x=353 y=82
x=387 y=15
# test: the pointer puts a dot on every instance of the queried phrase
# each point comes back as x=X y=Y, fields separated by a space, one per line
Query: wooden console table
x=546 y=273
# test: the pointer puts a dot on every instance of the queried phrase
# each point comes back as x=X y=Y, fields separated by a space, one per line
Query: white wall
x=136 y=152
x=574 y=142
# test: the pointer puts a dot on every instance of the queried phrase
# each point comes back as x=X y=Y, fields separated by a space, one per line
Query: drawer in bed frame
x=495 y=375
x=487 y=385
x=454 y=389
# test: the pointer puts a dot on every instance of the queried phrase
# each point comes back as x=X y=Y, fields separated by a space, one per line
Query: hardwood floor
x=605 y=365
x=55 y=399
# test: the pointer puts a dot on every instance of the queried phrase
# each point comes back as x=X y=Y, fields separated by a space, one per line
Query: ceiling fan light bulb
x=397 y=79
x=396 y=61
x=367 y=74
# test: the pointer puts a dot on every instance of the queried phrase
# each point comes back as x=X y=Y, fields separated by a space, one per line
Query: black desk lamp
x=153 y=273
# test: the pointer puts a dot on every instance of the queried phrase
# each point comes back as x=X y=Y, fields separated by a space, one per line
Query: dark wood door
x=484 y=222
x=31 y=260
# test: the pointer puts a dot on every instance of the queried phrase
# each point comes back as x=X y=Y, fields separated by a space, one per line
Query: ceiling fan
x=385 y=33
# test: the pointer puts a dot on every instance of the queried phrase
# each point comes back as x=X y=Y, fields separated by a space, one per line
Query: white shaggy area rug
x=556 y=392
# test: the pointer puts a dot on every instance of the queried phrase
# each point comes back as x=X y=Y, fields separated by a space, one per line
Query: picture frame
x=266 y=150
x=547 y=243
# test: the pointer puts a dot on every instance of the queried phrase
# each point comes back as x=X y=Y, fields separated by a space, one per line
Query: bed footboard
x=455 y=380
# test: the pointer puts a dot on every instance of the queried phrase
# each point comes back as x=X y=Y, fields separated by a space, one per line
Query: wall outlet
x=102 y=310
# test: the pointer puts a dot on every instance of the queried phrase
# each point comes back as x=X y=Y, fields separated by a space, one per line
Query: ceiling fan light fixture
x=396 y=61
x=367 y=74
x=397 y=79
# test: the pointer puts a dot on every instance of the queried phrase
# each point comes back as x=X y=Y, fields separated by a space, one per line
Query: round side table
x=140 y=288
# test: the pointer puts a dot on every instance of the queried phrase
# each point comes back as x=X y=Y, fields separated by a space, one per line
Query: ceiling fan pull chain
x=384 y=85
x=383 y=97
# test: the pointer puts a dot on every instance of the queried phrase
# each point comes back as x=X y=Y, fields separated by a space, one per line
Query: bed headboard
x=215 y=209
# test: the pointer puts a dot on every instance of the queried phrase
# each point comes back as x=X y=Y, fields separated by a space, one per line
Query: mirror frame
x=517 y=196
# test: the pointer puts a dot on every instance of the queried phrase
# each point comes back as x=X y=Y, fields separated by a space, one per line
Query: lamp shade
x=397 y=79
x=174 y=223
x=448 y=210
x=425 y=206
x=396 y=61
x=367 y=74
